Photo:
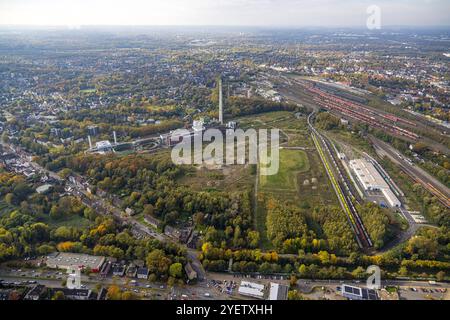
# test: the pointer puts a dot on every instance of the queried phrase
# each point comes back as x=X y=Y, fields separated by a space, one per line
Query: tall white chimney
x=220 y=101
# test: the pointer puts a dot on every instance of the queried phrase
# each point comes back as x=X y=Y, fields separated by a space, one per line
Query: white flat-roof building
x=103 y=145
x=198 y=126
x=367 y=175
x=391 y=198
x=278 y=291
x=251 y=289
x=371 y=180
x=64 y=260
x=44 y=188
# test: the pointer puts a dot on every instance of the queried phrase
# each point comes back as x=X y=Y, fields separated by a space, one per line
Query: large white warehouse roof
x=251 y=289
x=369 y=177
x=371 y=180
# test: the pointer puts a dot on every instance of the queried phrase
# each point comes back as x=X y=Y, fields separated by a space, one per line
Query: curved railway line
x=342 y=189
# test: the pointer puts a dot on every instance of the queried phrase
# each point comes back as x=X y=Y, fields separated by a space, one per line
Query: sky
x=223 y=12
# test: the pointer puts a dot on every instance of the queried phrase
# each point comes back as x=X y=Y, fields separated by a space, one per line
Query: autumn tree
x=176 y=270
x=157 y=262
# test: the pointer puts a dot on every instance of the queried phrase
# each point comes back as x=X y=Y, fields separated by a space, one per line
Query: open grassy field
x=301 y=179
x=264 y=120
x=314 y=186
x=283 y=185
x=220 y=177
x=71 y=221
x=305 y=188
x=291 y=163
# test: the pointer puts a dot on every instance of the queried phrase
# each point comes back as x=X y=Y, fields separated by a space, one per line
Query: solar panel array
x=359 y=293
x=372 y=294
x=352 y=290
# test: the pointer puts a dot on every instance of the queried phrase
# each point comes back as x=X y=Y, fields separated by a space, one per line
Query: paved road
x=27 y=157
x=80 y=190
x=429 y=182
x=407 y=290
x=307 y=285
x=144 y=288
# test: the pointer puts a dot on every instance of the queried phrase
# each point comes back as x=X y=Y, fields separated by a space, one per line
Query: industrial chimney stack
x=220 y=101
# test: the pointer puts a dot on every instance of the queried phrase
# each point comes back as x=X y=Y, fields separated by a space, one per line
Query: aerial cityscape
x=135 y=163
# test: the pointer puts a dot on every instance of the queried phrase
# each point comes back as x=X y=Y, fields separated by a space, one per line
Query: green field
x=292 y=162
x=264 y=120
x=301 y=179
x=70 y=221
x=283 y=185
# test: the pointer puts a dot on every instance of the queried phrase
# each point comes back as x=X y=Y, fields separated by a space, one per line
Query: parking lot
x=219 y=286
x=412 y=293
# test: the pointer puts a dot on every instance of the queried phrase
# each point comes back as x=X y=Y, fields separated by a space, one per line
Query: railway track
x=359 y=112
x=441 y=197
x=414 y=174
x=428 y=186
x=341 y=188
x=345 y=180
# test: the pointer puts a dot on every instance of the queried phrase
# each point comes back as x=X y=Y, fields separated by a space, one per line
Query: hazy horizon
x=243 y=13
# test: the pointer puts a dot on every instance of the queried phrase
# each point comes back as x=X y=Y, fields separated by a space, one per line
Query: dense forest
x=292 y=229
x=148 y=185
x=36 y=224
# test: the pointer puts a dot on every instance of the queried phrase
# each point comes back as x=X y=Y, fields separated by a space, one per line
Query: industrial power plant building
x=371 y=180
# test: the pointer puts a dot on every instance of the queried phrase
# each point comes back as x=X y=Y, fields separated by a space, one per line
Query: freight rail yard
x=358 y=112
x=316 y=98
x=317 y=95
x=341 y=186
x=350 y=178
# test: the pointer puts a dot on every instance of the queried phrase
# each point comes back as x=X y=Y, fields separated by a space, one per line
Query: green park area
x=291 y=163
